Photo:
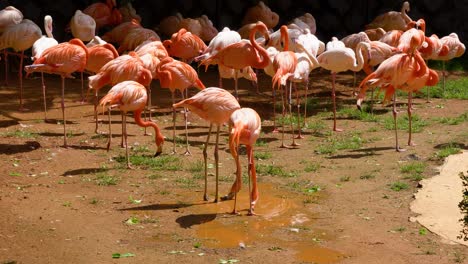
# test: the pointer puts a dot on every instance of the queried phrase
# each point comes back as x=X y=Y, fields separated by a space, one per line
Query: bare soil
x=60 y=205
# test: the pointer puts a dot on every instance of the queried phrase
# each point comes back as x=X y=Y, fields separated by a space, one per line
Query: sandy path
x=437 y=201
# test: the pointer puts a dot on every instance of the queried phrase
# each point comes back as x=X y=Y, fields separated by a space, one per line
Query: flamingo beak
x=159 y=151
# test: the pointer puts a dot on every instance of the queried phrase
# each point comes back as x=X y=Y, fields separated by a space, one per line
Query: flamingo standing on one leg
x=284 y=65
x=402 y=71
x=130 y=96
x=39 y=46
x=239 y=55
x=63 y=59
x=178 y=75
x=245 y=124
x=20 y=37
x=184 y=45
x=337 y=58
x=216 y=106
x=8 y=16
x=456 y=49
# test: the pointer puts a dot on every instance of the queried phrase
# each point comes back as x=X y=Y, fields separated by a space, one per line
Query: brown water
x=278 y=212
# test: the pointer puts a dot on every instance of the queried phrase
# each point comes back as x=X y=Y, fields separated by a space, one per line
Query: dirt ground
x=80 y=205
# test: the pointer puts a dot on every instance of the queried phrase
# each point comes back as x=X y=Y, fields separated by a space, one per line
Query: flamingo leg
x=149 y=102
x=95 y=111
x=275 y=129
x=294 y=144
x=334 y=103
x=305 y=103
x=410 y=105
x=216 y=155
x=123 y=142
x=173 y=123
x=397 y=147
x=187 y=150
x=63 y=113
x=44 y=96
x=238 y=182
x=124 y=123
x=205 y=158
x=443 y=79
x=5 y=54
x=252 y=178
x=236 y=73
x=298 y=104
x=284 y=116
x=354 y=83
x=20 y=72
x=110 y=129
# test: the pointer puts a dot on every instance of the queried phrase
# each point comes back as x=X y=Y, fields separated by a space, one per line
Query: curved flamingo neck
x=262 y=62
x=422 y=64
x=48 y=26
x=405 y=8
x=360 y=58
x=139 y=121
x=313 y=60
x=285 y=37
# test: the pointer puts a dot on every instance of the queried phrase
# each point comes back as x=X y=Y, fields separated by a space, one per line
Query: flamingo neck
x=422 y=64
x=360 y=58
x=48 y=28
x=264 y=60
x=159 y=138
x=285 y=37
x=405 y=8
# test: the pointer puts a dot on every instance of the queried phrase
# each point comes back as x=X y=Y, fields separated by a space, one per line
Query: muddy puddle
x=281 y=221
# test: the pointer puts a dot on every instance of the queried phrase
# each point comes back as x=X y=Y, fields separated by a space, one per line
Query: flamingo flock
x=129 y=57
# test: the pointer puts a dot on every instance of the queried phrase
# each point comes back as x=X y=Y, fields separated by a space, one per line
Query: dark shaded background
x=333 y=17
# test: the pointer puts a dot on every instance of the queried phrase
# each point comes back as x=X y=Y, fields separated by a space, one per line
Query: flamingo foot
x=251 y=212
x=412 y=144
x=338 y=130
x=22 y=109
x=284 y=146
x=299 y=137
x=187 y=152
x=275 y=130
x=147 y=134
x=205 y=197
x=235 y=212
x=228 y=196
x=398 y=149
x=294 y=144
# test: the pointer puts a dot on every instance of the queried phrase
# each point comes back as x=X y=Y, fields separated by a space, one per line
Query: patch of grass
x=447 y=150
x=168 y=163
x=345 y=178
x=341 y=142
x=354 y=113
x=186 y=182
x=261 y=142
x=399 y=186
x=262 y=155
x=104 y=179
x=454 y=89
x=315 y=126
x=19 y=134
x=154 y=176
x=311 y=166
x=417 y=123
x=413 y=170
x=367 y=176
x=453 y=120
x=94 y=201
x=274 y=170
x=196 y=167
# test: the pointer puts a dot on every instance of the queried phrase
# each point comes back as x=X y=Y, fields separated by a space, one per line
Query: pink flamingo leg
x=252 y=178
x=397 y=147
x=410 y=105
x=205 y=158
x=334 y=103
x=44 y=96
x=216 y=155
x=173 y=124
x=299 y=123
x=65 y=145
x=21 y=108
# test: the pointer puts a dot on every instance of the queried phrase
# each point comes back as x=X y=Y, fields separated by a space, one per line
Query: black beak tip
x=157 y=154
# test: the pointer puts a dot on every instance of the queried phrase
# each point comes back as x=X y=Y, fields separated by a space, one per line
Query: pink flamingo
x=245 y=124
x=20 y=37
x=284 y=65
x=130 y=96
x=8 y=16
x=407 y=72
x=337 y=58
x=177 y=75
x=123 y=68
x=63 y=59
x=43 y=43
x=184 y=45
x=242 y=54
x=214 y=105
